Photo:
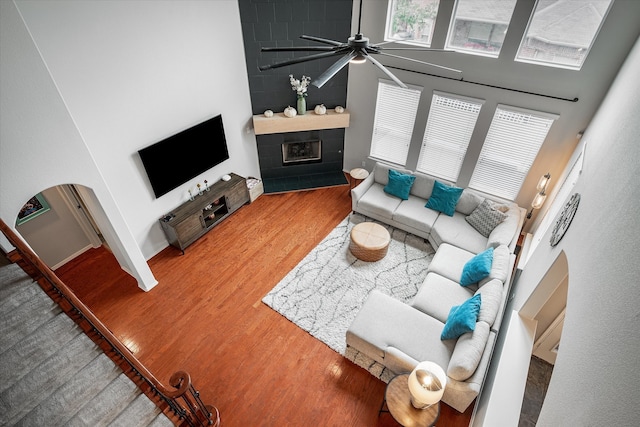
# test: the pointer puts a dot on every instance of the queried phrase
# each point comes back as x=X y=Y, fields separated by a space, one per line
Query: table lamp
x=426 y=384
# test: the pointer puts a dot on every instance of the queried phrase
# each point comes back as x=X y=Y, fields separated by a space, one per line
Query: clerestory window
x=411 y=21
x=560 y=33
x=480 y=26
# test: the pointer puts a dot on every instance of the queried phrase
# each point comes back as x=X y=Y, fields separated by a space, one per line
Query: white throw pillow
x=468 y=352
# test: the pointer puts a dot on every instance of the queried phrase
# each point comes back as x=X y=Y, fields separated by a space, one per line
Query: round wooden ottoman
x=369 y=241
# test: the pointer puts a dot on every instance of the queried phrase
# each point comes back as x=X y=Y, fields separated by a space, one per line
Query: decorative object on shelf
x=541 y=196
x=320 y=109
x=199 y=189
x=268 y=113
x=37 y=205
x=426 y=384
x=290 y=111
x=300 y=87
x=190 y=195
x=564 y=221
x=206 y=185
x=339 y=109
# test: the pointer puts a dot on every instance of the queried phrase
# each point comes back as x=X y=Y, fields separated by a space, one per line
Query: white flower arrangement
x=300 y=86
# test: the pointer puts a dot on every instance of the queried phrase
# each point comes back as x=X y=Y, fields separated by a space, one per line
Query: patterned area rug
x=325 y=291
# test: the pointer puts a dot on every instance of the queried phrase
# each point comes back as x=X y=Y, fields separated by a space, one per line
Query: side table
x=357 y=174
x=398 y=401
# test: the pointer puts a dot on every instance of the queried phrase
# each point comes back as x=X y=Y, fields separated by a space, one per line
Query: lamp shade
x=426 y=384
x=543 y=182
x=538 y=201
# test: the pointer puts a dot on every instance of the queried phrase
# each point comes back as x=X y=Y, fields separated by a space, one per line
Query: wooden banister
x=182 y=399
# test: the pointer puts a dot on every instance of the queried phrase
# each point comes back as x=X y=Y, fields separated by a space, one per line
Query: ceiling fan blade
x=420 y=49
x=321 y=40
x=333 y=70
x=387 y=72
x=299 y=60
x=296 y=49
x=421 y=62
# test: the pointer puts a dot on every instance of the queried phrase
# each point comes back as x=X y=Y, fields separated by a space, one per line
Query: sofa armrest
x=358 y=191
x=460 y=394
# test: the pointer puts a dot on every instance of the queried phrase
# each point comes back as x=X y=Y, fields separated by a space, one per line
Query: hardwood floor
x=206 y=316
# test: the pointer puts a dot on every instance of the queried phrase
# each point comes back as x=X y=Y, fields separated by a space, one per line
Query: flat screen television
x=175 y=160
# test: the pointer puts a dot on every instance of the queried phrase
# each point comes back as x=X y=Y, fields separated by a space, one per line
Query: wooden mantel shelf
x=279 y=123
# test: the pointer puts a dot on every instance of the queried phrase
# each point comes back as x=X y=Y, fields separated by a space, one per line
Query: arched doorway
x=57 y=225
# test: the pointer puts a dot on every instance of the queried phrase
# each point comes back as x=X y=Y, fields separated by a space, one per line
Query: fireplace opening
x=301 y=152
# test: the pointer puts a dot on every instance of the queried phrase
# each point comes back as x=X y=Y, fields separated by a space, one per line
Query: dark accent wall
x=280 y=23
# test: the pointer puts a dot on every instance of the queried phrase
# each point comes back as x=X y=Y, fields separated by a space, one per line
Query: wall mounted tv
x=175 y=160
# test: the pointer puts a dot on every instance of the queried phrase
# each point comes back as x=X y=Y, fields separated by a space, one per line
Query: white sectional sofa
x=399 y=335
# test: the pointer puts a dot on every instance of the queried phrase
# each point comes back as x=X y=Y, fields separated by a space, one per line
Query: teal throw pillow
x=477 y=268
x=462 y=318
x=399 y=184
x=444 y=198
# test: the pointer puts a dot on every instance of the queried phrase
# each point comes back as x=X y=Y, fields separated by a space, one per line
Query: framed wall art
x=36 y=206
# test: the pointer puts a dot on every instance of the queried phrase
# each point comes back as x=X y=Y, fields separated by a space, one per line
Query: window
x=561 y=33
x=479 y=26
x=446 y=138
x=512 y=143
x=411 y=21
x=396 y=110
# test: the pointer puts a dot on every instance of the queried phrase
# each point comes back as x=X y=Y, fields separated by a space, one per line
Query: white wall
x=589 y=85
x=40 y=146
x=595 y=378
x=129 y=73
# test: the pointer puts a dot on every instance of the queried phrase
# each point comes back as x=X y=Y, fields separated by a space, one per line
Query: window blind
x=396 y=110
x=449 y=127
x=511 y=145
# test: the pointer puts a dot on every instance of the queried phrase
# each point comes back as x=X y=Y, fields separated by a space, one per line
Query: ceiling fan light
x=358 y=59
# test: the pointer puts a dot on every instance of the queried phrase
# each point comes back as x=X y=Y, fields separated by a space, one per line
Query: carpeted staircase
x=52 y=374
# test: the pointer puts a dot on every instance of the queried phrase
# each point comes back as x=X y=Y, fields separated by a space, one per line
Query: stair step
x=27 y=354
x=39 y=384
x=138 y=413
x=107 y=404
x=30 y=309
x=72 y=395
x=12 y=277
x=161 y=420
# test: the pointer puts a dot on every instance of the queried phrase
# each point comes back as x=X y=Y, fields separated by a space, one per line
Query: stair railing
x=182 y=401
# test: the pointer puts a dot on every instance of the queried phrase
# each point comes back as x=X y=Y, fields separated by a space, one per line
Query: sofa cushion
x=477 y=268
x=491 y=300
x=505 y=232
x=375 y=200
x=486 y=217
x=457 y=232
x=438 y=294
x=444 y=198
x=468 y=352
x=500 y=265
x=413 y=213
x=423 y=186
x=469 y=200
x=449 y=261
x=399 y=184
x=462 y=318
x=381 y=173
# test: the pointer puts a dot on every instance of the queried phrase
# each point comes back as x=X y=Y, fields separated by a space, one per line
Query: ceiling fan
x=356 y=50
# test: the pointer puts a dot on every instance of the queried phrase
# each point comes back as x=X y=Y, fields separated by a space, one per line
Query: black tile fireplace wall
x=280 y=23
